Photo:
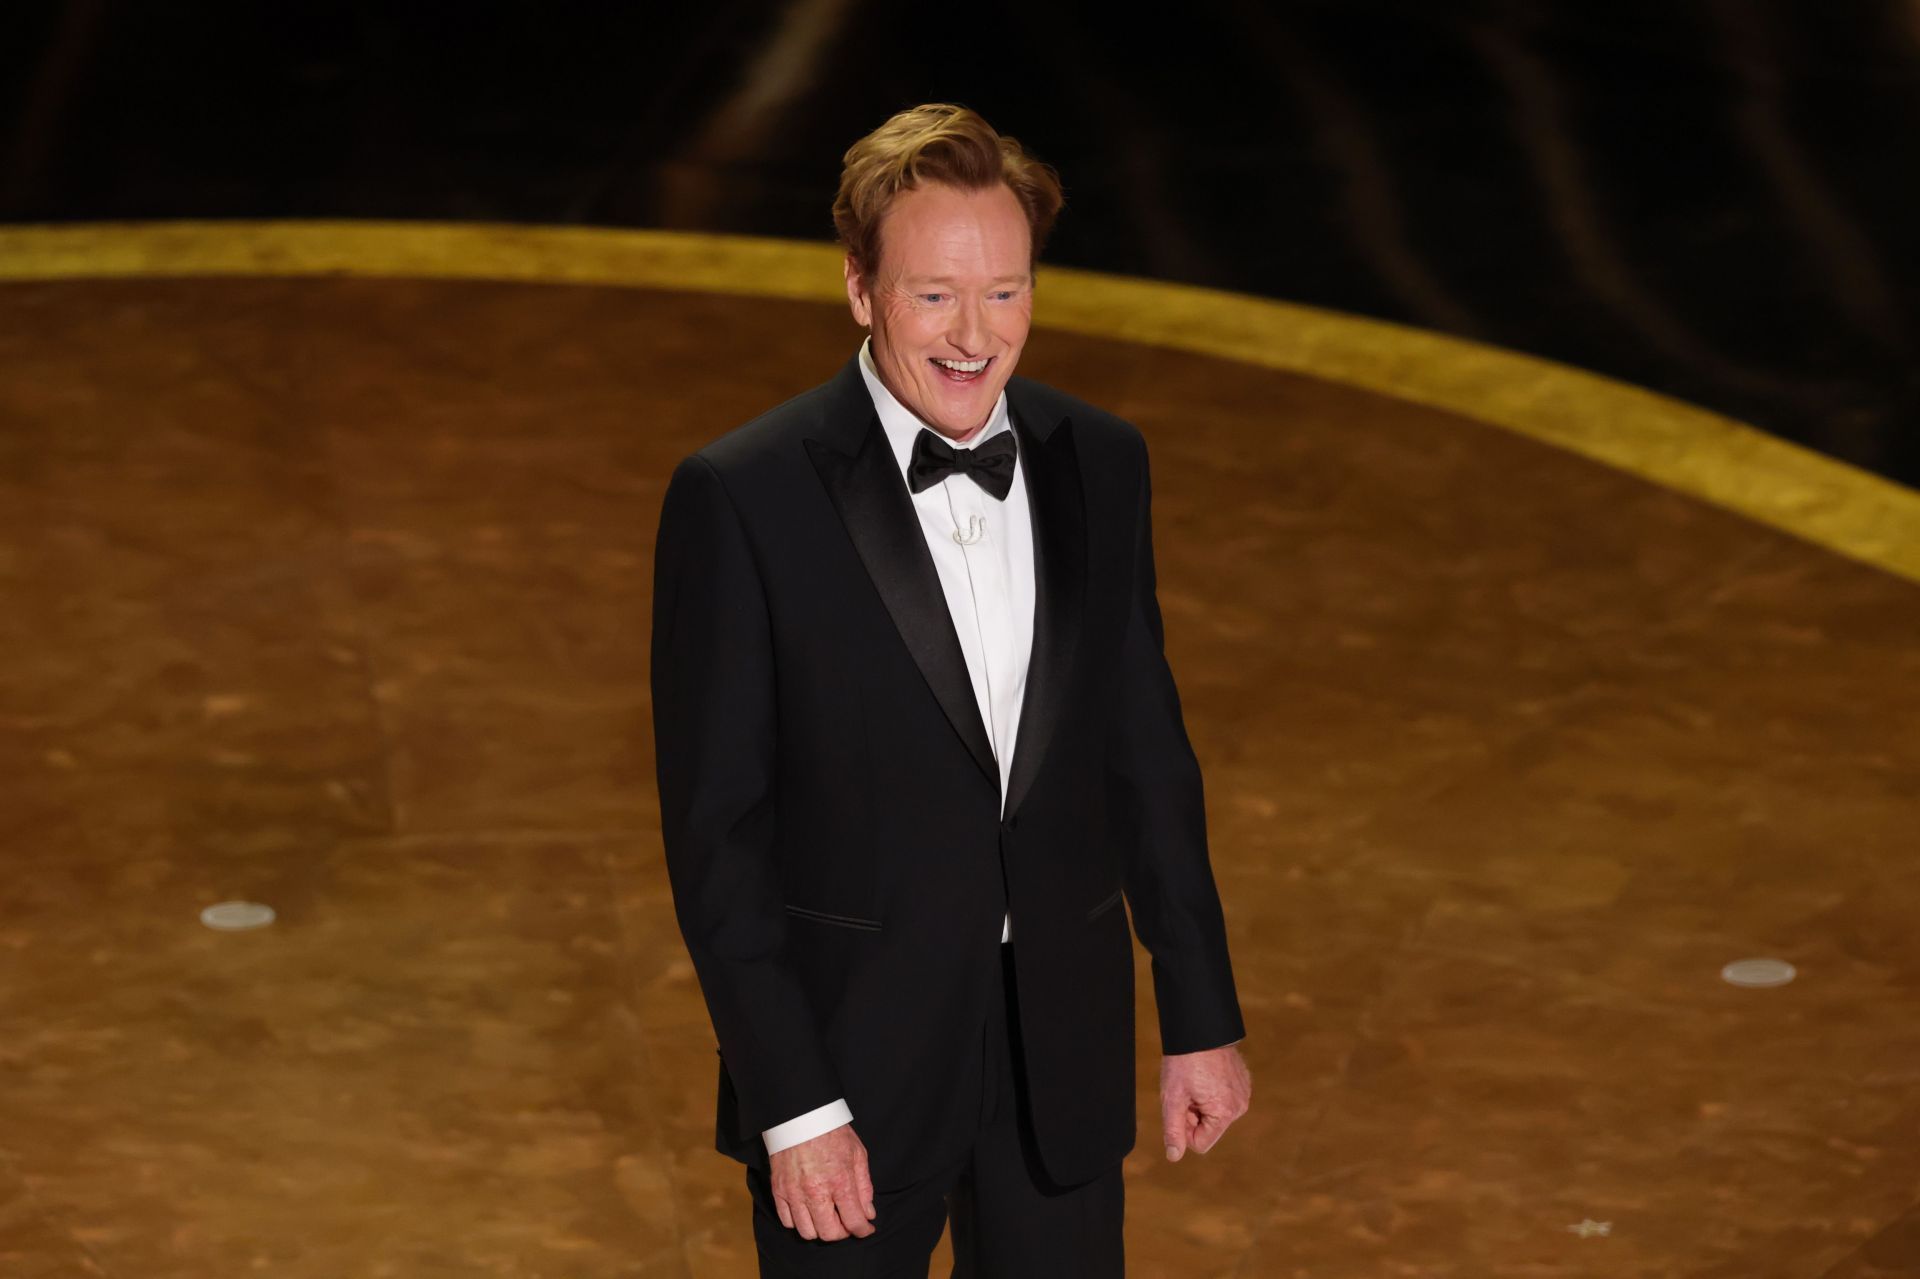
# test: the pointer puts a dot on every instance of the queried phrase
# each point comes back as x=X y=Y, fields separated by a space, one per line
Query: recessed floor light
x=237 y=916
x=1758 y=972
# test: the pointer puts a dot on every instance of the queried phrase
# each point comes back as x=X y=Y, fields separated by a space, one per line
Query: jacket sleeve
x=1158 y=806
x=714 y=734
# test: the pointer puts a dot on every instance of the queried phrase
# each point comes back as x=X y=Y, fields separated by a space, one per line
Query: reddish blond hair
x=936 y=142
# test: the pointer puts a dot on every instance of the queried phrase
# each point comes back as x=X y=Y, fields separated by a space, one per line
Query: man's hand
x=822 y=1188
x=1200 y=1094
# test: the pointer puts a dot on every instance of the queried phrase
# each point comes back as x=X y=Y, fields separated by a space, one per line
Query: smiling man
x=917 y=744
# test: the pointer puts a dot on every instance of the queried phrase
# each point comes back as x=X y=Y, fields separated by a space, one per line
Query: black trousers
x=1009 y=1221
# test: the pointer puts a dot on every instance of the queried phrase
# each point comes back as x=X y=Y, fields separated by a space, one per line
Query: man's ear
x=857 y=297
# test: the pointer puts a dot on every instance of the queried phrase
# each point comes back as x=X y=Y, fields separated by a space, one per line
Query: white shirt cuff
x=808 y=1126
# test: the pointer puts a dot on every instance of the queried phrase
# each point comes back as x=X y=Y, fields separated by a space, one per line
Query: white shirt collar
x=902 y=424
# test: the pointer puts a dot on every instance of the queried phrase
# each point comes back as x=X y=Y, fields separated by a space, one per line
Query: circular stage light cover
x=237 y=916
x=1759 y=972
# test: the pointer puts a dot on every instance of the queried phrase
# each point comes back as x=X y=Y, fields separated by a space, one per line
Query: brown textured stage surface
x=333 y=594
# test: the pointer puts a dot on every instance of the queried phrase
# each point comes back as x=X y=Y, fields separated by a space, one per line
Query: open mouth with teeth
x=961 y=370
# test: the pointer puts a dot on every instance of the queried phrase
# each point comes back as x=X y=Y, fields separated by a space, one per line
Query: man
x=916 y=736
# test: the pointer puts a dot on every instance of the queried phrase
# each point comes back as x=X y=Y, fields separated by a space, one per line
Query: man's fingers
x=803 y=1221
x=853 y=1214
x=786 y=1213
x=1211 y=1128
x=826 y=1220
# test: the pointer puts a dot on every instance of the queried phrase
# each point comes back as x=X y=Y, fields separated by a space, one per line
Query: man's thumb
x=1173 y=1129
x=863 y=1182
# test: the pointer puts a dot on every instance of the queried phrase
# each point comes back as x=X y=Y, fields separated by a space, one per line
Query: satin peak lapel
x=1052 y=468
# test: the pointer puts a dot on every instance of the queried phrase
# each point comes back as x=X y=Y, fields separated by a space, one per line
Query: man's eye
x=931 y=297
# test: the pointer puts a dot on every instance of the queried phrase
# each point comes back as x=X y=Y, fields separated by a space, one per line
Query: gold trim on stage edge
x=1687 y=449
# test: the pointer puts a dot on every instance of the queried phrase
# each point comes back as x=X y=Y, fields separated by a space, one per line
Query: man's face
x=954 y=286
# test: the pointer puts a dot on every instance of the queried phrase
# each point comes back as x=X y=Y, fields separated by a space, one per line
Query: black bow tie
x=990 y=465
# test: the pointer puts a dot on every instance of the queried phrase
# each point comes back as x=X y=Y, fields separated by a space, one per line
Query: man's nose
x=969 y=331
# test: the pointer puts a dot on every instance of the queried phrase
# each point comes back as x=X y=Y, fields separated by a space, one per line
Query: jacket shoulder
x=768 y=438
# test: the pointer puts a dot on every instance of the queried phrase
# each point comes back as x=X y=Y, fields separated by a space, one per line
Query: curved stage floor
x=332 y=594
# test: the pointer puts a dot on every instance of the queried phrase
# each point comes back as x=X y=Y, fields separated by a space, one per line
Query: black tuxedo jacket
x=831 y=807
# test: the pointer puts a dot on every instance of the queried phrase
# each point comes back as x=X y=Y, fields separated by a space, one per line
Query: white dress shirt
x=989 y=590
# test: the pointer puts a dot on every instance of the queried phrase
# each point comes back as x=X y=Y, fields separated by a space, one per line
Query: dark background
x=1713 y=198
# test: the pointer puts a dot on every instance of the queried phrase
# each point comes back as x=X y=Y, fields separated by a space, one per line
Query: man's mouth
x=961 y=371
